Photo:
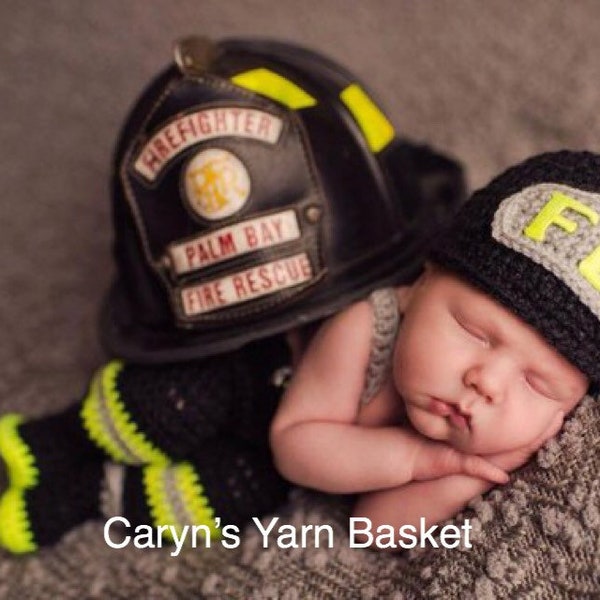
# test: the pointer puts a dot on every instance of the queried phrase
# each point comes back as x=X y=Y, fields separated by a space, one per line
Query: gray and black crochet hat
x=531 y=240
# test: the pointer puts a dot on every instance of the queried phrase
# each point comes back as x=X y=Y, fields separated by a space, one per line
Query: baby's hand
x=435 y=459
x=513 y=459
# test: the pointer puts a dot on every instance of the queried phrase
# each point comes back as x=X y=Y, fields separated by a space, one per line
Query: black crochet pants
x=213 y=414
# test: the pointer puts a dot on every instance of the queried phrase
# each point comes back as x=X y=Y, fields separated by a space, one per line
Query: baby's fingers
x=440 y=460
x=471 y=464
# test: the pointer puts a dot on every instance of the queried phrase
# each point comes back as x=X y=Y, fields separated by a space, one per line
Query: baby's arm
x=435 y=500
x=440 y=499
x=316 y=440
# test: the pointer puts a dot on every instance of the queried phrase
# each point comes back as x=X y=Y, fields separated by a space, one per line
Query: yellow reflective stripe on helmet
x=375 y=126
x=16 y=534
x=175 y=498
x=109 y=425
x=18 y=458
x=272 y=85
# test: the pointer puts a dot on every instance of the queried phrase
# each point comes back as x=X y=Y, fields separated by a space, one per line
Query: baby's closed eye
x=471 y=329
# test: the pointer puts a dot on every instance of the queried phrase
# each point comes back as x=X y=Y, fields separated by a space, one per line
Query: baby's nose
x=465 y=404
x=487 y=382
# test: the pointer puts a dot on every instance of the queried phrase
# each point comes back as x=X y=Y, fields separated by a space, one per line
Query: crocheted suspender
x=386 y=319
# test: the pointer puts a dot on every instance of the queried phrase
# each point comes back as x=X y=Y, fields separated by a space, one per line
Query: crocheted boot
x=53 y=477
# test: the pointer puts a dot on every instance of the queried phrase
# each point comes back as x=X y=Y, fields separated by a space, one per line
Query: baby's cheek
x=531 y=429
x=431 y=426
x=403 y=370
x=412 y=367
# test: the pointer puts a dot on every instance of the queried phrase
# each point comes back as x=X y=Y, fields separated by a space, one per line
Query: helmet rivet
x=313 y=213
x=194 y=55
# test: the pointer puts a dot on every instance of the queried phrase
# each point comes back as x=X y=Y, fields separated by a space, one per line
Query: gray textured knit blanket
x=489 y=82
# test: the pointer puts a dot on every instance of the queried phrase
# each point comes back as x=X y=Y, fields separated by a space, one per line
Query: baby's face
x=474 y=375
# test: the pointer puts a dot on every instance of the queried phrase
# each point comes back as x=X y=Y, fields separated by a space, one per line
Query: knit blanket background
x=490 y=83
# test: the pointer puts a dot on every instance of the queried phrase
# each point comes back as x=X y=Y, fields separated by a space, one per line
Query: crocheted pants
x=193 y=438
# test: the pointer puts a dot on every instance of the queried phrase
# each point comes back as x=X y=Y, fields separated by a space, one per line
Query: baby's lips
x=455 y=416
x=459 y=421
x=438 y=407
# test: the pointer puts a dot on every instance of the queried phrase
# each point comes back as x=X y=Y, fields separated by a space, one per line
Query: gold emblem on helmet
x=217 y=184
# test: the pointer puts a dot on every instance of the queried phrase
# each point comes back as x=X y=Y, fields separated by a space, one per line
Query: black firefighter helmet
x=258 y=187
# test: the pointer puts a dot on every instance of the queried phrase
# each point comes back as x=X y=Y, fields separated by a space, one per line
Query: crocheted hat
x=531 y=240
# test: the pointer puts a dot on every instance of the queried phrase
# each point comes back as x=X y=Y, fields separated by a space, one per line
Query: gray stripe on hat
x=560 y=252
